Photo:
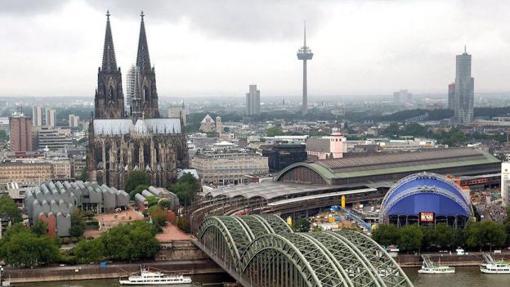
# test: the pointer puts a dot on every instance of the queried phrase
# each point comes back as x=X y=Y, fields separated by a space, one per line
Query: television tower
x=304 y=54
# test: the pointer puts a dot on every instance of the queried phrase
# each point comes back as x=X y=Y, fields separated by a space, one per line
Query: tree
x=87 y=251
x=22 y=248
x=274 y=131
x=445 y=236
x=130 y=242
x=136 y=178
x=9 y=209
x=3 y=135
x=138 y=189
x=186 y=189
x=152 y=200
x=158 y=216
x=411 y=237
x=386 y=234
x=302 y=225
x=39 y=228
x=77 y=223
x=486 y=234
x=84 y=175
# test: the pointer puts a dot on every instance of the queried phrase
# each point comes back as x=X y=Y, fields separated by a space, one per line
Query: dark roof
x=403 y=162
x=318 y=145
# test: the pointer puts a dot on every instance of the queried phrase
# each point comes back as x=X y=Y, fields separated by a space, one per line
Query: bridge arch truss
x=262 y=250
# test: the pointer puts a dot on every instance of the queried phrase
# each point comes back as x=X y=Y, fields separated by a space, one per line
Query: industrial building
x=390 y=167
x=427 y=199
x=53 y=202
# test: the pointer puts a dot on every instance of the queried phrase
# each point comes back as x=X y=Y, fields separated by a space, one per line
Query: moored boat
x=150 y=278
x=429 y=267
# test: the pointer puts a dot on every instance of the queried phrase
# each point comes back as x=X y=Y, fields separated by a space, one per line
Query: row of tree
x=126 y=242
x=485 y=235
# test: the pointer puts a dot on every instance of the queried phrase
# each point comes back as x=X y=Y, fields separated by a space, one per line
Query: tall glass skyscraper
x=464 y=90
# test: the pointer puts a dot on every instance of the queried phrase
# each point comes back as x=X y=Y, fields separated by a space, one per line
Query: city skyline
x=363 y=47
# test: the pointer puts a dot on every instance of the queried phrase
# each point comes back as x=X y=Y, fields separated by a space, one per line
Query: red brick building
x=20 y=133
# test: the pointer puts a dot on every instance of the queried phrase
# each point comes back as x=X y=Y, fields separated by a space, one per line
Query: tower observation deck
x=304 y=54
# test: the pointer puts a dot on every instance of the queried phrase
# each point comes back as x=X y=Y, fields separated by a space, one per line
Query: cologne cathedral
x=123 y=139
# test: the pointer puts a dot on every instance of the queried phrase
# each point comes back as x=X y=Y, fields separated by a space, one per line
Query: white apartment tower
x=505 y=182
x=253 y=101
x=37 y=116
x=51 y=118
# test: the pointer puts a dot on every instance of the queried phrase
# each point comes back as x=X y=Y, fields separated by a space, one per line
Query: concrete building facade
x=464 y=90
x=37 y=116
x=229 y=168
x=20 y=131
x=253 y=101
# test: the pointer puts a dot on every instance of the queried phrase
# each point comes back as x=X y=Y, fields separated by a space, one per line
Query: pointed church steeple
x=145 y=103
x=109 y=61
x=109 y=99
x=143 y=60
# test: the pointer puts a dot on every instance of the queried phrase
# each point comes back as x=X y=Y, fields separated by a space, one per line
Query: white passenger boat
x=437 y=270
x=492 y=266
x=150 y=278
x=429 y=267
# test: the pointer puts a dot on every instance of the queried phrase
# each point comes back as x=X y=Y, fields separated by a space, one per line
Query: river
x=464 y=277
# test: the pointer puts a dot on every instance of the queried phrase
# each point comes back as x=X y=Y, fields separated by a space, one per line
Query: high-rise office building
x=37 y=116
x=131 y=84
x=20 y=132
x=253 y=101
x=451 y=96
x=464 y=90
x=74 y=121
x=304 y=54
x=51 y=118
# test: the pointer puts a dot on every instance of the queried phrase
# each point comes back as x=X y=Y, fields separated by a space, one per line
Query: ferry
x=428 y=267
x=492 y=266
x=150 y=278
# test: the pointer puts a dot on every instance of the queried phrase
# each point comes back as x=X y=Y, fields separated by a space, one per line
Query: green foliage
x=411 y=237
x=152 y=200
x=386 y=234
x=84 y=175
x=138 y=189
x=165 y=203
x=186 y=189
x=8 y=208
x=136 y=178
x=183 y=224
x=130 y=242
x=440 y=237
x=302 y=225
x=158 y=216
x=3 y=135
x=39 y=228
x=22 y=248
x=274 y=131
x=87 y=251
x=486 y=234
x=77 y=223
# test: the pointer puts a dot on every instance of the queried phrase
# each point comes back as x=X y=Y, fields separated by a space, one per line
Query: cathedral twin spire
x=109 y=99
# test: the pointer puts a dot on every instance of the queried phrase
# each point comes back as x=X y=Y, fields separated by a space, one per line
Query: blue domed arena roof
x=425 y=192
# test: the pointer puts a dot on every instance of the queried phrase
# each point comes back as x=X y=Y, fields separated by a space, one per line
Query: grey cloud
x=233 y=19
x=28 y=7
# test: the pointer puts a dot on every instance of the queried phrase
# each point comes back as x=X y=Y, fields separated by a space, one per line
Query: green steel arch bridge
x=262 y=250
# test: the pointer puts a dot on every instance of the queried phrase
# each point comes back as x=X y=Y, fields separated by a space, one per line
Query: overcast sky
x=219 y=47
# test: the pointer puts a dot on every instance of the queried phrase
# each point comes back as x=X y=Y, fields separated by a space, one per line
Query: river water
x=464 y=277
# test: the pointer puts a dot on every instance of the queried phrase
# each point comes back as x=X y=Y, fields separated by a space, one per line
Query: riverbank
x=469 y=260
x=113 y=271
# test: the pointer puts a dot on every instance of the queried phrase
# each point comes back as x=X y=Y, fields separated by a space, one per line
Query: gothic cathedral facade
x=124 y=140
